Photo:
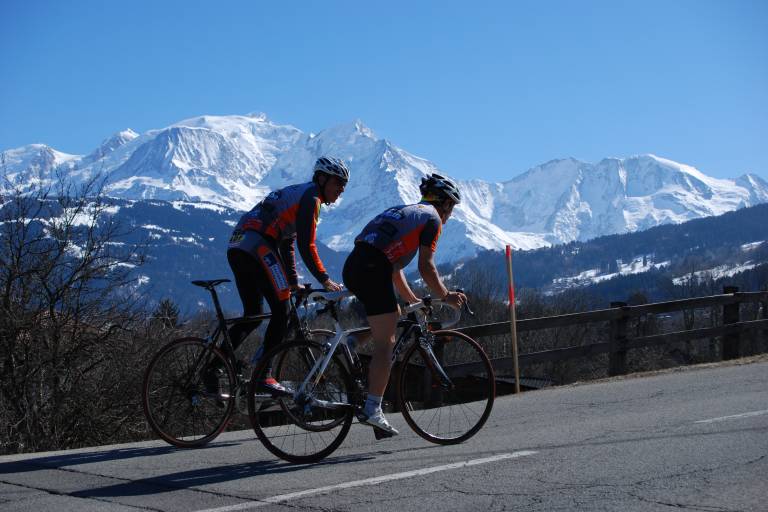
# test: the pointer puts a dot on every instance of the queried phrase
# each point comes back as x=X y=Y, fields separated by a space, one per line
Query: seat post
x=217 y=306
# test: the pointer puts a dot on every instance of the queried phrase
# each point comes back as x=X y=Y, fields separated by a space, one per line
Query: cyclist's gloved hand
x=331 y=286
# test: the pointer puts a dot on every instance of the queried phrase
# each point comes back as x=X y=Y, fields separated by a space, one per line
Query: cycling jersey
x=399 y=231
x=284 y=216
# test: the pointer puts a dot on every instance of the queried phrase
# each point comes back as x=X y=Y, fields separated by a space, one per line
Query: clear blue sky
x=483 y=89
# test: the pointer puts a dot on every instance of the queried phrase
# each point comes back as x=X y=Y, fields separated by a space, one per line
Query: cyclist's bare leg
x=362 y=337
x=383 y=332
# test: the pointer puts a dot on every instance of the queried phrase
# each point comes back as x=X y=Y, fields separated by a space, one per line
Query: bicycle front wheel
x=446 y=407
x=177 y=405
x=307 y=427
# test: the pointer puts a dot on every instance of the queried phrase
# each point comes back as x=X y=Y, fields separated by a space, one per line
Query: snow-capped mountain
x=236 y=160
x=571 y=200
x=33 y=163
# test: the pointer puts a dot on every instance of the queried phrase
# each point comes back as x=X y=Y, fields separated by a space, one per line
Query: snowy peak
x=757 y=187
x=33 y=163
x=567 y=200
x=249 y=129
x=343 y=140
x=220 y=159
x=124 y=136
x=648 y=174
x=111 y=144
x=183 y=162
x=348 y=132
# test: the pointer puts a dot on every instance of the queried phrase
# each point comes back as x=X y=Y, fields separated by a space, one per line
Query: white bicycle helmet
x=332 y=167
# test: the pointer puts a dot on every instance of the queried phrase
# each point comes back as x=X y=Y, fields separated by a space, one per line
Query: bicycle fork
x=426 y=349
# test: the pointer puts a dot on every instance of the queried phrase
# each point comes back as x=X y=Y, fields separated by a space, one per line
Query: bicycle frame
x=220 y=336
x=415 y=327
x=223 y=324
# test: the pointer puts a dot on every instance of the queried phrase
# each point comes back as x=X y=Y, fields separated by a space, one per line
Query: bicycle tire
x=175 y=403
x=447 y=416
x=288 y=429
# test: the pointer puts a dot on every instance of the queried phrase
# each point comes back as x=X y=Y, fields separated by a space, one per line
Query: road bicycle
x=445 y=384
x=177 y=405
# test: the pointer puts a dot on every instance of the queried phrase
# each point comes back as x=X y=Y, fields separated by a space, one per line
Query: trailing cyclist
x=262 y=256
x=374 y=270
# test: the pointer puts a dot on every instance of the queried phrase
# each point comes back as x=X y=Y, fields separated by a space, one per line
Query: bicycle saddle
x=210 y=284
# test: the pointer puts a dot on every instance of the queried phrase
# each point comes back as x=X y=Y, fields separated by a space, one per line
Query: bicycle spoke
x=446 y=416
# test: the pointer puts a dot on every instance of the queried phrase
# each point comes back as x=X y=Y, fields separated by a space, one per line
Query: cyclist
x=384 y=247
x=262 y=255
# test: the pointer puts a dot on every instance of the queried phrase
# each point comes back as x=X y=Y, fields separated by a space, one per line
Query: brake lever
x=466 y=303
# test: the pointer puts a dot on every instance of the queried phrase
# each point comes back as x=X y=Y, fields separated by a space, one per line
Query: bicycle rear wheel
x=301 y=429
x=176 y=403
x=447 y=414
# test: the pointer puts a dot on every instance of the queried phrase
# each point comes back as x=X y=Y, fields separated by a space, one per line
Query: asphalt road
x=695 y=439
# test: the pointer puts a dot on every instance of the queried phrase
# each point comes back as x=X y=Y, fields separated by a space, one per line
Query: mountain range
x=234 y=161
x=664 y=262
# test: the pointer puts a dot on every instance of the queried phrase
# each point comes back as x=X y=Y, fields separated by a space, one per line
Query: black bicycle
x=446 y=385
x=178 y=405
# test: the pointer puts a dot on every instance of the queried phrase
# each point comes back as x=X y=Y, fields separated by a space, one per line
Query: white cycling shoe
x=377 y=420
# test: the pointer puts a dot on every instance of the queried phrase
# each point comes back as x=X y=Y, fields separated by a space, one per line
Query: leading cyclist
x=262 y=256
x=384 y=247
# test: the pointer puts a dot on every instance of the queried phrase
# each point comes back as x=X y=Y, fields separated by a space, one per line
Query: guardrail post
x=731 y=342
x=617 y=360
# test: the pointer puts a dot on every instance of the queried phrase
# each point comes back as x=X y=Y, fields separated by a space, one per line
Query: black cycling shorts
x=368 y=274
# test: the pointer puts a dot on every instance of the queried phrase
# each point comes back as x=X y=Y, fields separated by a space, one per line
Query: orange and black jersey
x=399 y=231
x=284 y=216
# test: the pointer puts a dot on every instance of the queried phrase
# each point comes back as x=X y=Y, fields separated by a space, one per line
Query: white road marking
x=368 y=481
x=734 y=417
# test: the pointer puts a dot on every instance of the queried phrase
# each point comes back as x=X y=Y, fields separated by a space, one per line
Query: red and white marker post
x=513 y=319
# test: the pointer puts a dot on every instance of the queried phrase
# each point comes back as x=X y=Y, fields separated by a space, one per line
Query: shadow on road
x=173 y=481
x=206 y=476
x=181 y=480
x=75 y=459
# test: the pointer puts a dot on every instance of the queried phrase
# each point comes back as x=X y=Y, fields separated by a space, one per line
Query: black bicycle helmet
x=332 y=167
x=440 y=186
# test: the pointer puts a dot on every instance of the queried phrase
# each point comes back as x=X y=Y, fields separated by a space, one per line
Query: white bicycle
x=445 y=382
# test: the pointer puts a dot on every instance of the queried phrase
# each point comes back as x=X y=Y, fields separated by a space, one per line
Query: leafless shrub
x=69 y=348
